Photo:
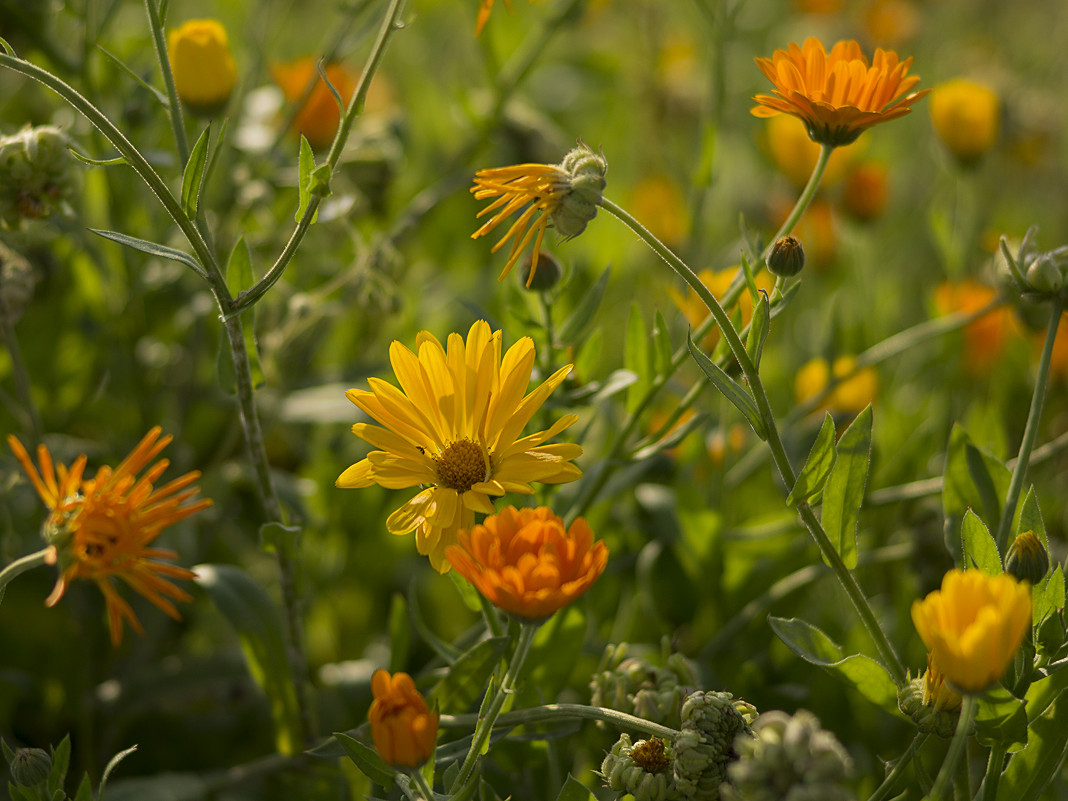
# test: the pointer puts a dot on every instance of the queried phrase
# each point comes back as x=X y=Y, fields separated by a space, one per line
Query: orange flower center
x=462 y=464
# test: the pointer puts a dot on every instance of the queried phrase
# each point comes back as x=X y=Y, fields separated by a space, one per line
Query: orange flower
x=402 y=725
x=100 y=527
x=984 y=338
x=524 y=562
x=319 y=116
x=838 y=94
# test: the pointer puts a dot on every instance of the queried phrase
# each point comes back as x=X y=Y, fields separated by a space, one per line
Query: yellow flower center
x=462 y=465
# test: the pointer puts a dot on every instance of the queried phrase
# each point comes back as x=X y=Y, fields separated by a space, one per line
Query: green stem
x=20 y=375
x=778 y=451
x=883 y=791
x=174 y=109
x=24 y=563
x=995 y=764
x=956 y=748
x=538 y=714
x=249 y=297
x=421 y=784
x=1034 y=417
x=804 y=200
x=485 y=724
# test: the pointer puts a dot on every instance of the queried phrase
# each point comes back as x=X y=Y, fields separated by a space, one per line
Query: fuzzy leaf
x=978 y=546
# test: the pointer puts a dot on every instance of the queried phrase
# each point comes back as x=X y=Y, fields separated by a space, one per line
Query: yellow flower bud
x=966 y=118
x=203 y=68
x=402 y=725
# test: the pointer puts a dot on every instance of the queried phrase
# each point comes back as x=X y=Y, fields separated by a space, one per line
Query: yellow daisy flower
x=454 y=428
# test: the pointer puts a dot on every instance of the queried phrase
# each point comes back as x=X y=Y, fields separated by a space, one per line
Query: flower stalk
x=956 y=748
x=539 y=714
x=174 y=110
x=44 y=556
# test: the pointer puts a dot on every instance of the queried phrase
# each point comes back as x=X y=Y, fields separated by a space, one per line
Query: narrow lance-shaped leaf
x=758 y=328
x=730 y=388
x=152 y=249
x=193 y=175
x=305 y=168
x=662 y=342
x=817 y=467
x=844 y=494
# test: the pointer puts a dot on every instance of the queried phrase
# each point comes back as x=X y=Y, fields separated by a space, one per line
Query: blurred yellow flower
x=319 y=116
x=453 y=428
x=202 y=65
x=795 y=154
x=855 y=390
x=525 y=562
x=973 y=625
x=984 y=338
x=101 y=527
x=966 y=117
x=864 y=191
x=695 y=311
x=838 y=94
x=403 y=727
x=660 y=204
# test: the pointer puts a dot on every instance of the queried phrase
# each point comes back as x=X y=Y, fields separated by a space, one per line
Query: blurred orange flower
x=319 y=116
x=100 y=527
x=838 y=94
x=851 y=395
x=865 y=190
x=526 y=563
x=984 y=338
x=402 y=725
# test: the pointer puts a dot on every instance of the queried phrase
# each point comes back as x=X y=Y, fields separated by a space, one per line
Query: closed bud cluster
x=787 y=257
x=585 y=171
x=1027 y=559
x=17 y=280
x=642 y=769
x=30 y=767
x=637 y=687
x=791 y=757
x=35 y=174
x=712 y=724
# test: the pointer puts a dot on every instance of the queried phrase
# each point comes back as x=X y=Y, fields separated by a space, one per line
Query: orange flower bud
x=203 y=68
x=402 y=725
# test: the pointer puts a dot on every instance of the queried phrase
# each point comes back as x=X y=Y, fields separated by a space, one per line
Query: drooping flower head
x=101 y=527
x=403 y=727
x=973 y=625
x=526 y=562
x=454 y=428
x=202 y=65
x=839 y=94
x=564 y=195
x=319 y=114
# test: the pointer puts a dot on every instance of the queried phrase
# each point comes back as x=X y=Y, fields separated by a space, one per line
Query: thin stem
x=883 y=791
x=538 y=714
x=956 y=748
x=22 y=564
x=421 y=784
x=485 y=724
x=174 y=109
x=995 y=764
x=1034 y=417
x=804 y=200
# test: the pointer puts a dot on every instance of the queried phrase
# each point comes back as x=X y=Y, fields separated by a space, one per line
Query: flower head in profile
x=527 y=563
x=102 y=527
x=202 y=65
x=973 y=625
x=840 y=94
x=319 y=114
x=402 y=725
x=454 y=428
x=564 y=196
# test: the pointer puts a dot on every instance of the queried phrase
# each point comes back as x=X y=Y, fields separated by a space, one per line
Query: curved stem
x=22 y=564
x=883 y=790
x=956 y=748
x=1034 y=417
x=620 y=720
x=155 y=24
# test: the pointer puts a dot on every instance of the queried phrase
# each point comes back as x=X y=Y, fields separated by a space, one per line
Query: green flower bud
x=35 y=174
x=30 y=767
x=789 y=757
x=545 y=277
x=1044 y=275
x=638 y=687
x=1027 y=559
x=787 y=257
x=642 y=769
x=705 y=746
x=585 y=185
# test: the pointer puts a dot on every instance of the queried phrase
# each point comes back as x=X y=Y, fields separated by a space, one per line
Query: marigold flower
x=566 y=195
x=966 y=116
x=838 y=94
x=851 y=395
x=453 y=427
x=973 y=625
x=202 y=65
x=402 y=725
x=101 y=526
x=319 y=116
x=525 y=562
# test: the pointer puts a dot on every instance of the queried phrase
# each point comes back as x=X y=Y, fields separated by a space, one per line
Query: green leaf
x=731 y=390
x=97 y=162
x=637 y=357
x=978 y=547
x=193 y=175
x=60 y=763
x=662 y=341
x=258 y=624
x=1032 y=770
x=367 y=760
x=1031 y=518
x=85 y=790
x=844 y=493
x=959 y=488
x=400 y=636
x=1048 y=597
x=153 y=249
x=319 y=181
x=574 y=790
x=112 y=764
x=758 y=328
x=870 y=678
x=983 y=481
x=467 y=677
x=239 y=268
x=239 y=277
x=1001 y=719
x=305 y=168
x=574 y=329
x=810 y=482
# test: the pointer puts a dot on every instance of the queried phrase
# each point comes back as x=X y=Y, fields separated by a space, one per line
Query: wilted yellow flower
x=851 y=395
x=973 y=625
x=966 y=117
x=100 y=527
x=202 y=65
x=453 y=428
x=319 y=116
x=403 y=727
x=525 y=562
x=564 y=195
x=865 y=190
x=838 y=94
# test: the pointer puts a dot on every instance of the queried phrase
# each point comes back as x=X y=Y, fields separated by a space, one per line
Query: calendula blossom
x=203 y=68
x=527 y=563
x=454 y=428
x=403 y=727
x=839 y=94
x=101 y=527
x=973 y=625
